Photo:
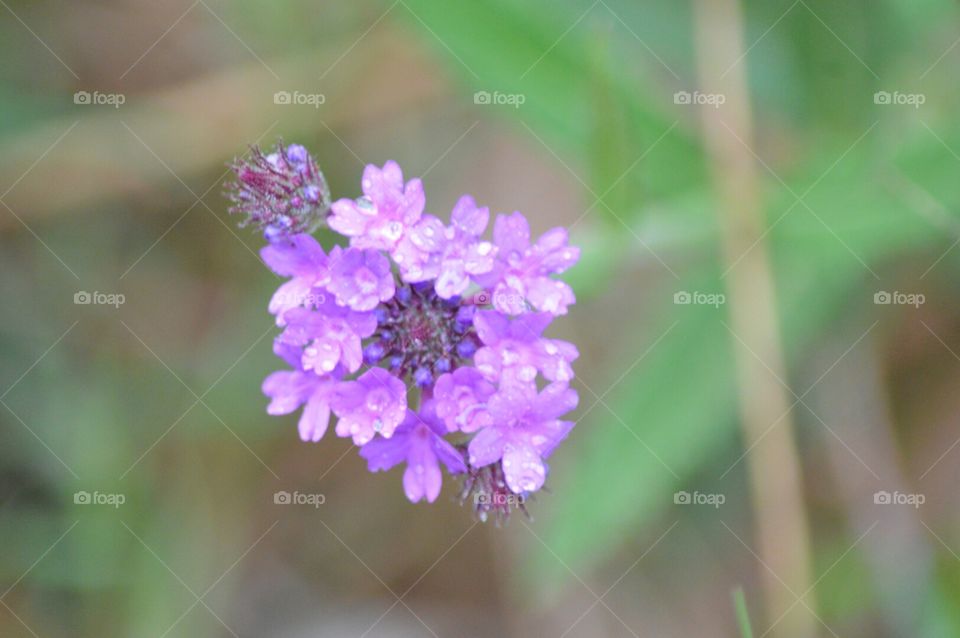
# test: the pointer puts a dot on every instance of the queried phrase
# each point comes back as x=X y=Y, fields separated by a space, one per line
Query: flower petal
x=486 y=447
x=491 y=326
x=297 y=255
x=422 y=477
x=291 y=294
x=523 y=468
x=511 y=233
x=287 y=390
x=383 y=454
x=550 y=295
x=316 y=416
x=468 y=217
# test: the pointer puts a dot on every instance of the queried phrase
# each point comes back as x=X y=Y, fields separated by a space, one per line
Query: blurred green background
x=157 y=399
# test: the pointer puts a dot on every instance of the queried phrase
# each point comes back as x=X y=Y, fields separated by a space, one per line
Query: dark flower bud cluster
x=282 y=192
x=421 y=334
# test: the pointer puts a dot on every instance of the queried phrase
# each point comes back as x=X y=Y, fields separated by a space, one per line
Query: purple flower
x=526 y=429
x=417 y=254
x=289 y=389
x=301 y=258
x=448 y=254
x=461 y=398
x=360 y=279
x=283 y=192
x=373 y=404
x=418 y=441
x=330 y=336
x=386 y=210
x=464 y=254
x=477 y=372
x=514 y=350
x=520 y=275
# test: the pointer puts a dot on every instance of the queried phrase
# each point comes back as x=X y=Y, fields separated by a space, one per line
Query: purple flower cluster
x=415 y=311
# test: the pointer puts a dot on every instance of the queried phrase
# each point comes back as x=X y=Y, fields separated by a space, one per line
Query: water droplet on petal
x=393 y=230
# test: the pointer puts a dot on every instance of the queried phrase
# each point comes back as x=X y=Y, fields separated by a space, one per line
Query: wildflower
x=415 y=305
x=418 y=441
x=521 y=272
x=388 y=207
x=464 y=254
x=302 y=259
x=289 y=389
x=461 y=400
x=330 y=336
x=360 y=279
x=515 y=351
x=373 y=404
x=524 y=432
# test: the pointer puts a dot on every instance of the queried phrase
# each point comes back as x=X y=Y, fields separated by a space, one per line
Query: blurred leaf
x=681 y=399
x=512 y=47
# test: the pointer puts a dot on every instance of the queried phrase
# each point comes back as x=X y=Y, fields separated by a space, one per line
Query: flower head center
x=421 y=334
